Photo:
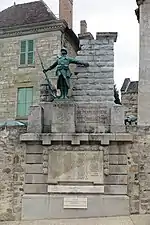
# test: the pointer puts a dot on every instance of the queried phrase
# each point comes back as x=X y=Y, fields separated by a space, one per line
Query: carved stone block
x=35 y=119
x=117 y=119
x=63 y=117
x=75 y=167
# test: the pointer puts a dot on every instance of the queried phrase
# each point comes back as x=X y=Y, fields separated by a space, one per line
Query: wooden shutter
x=23 y=52
x=21 y=106
x=30 y=52
x=27 y=52
x=25 y=100
x=29 y=99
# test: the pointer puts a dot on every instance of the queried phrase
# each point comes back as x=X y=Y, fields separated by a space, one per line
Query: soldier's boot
x=62 y=94
x=66 y=93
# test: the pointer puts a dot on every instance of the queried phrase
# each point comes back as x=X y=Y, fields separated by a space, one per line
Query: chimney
x=66 y=11
x=83 y=27
x=83 y=31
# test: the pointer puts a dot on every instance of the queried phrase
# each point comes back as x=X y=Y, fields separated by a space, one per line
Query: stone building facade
x=129 y=97
x=24 y=29
x=143 y=14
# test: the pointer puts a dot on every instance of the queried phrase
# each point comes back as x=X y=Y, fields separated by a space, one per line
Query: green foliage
x=116 y=96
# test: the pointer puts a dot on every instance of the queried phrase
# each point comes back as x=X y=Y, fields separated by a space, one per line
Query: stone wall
x=96 y=83
x=144 y=69
x=12 y=173
x=129 y=97
x=130 y=103
x=24 y=170
x=68 y=43
x=139 y=171
x=93 y=87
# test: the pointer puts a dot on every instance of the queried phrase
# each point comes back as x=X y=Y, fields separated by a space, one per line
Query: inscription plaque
x=92 y=113
x=75 y=166
x=75 y=203
x=76 y=189
x=92 y=118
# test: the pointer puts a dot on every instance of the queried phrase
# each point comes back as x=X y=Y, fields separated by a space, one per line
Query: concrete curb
x=132 y=220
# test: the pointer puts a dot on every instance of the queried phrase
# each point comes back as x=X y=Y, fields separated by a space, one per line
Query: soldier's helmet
x=64 y=50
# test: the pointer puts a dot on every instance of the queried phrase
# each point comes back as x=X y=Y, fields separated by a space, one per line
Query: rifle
x=48 y=81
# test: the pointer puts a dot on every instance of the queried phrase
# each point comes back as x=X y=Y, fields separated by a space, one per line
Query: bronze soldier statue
x=63 y=72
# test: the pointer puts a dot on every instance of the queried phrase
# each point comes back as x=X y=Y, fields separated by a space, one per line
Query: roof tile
x=133 y=87
x=27 y=13
x=125 y=84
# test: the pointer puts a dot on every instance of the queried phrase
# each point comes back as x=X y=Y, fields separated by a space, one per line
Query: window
x=27 y=52
x=25 y=100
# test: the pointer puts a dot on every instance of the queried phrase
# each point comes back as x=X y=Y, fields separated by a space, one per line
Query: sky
x=106 y=16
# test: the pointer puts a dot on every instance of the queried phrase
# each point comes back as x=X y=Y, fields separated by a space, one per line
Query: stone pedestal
x=75 y=173
x=92 y=118
x=63 y=117
x=117 y=119
x=79 y=174
x=35 y=119
x=41 y=207
x=68 y=181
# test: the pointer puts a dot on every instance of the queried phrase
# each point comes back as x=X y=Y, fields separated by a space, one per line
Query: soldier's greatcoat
x=63 y=70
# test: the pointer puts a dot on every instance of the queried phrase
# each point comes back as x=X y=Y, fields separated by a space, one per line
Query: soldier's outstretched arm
x=77 y=62
x=51 y=67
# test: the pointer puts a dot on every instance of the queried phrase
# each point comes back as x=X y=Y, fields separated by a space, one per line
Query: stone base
x=67 y=116
x=92 y=118
x=63 y=117
x=118 y=220
x=75 y=139
x=117 y=119
x=35 y=119
x=57 y=206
